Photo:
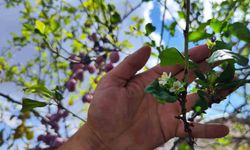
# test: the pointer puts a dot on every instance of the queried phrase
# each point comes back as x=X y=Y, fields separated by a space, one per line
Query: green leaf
x=39 y=89
x=200 y=75
x=28 y=26
x=58 y=93
x=29 y=135
x=115 y=18
x=228 y=74
x=171 y=56
x=29 y=104
x=202 y=83
x=184 y=146
x=216 y=25
x=171 y=28
x=211 y=77
x=182 y=14
x=225 y=55
x=201 y=104
x=240 y=31
x=198 y=35
x=149 y=28
x=159 y=93
x=192 y=64
x=222 y=45
x=224 y=141
x=40 y=26
x=210 y=44
x=232 y=84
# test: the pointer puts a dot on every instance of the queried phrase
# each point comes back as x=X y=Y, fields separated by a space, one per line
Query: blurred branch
x=10 y=99
x=170 y=13
x=232 y=118
x=72 y=113
x=55 y=51
x=131 y=11
x=247 y=45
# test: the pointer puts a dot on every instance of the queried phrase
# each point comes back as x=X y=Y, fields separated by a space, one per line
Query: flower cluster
x=170 y=83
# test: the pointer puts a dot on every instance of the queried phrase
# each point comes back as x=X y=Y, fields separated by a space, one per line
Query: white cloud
x=172 y=12
x=174 y=7
x=147 y=8
x=238 y=15
x=207 y=11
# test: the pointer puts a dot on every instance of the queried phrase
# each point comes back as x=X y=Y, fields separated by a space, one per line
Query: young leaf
x=171 y=28
x=216 y=25
x=228 y=74
x=198 y=35
x=224 y=55
x=171 y=56
x=149 y=28
x=200 y=105
x=222 y=45
x=29 y=104
x=232 y=84
x=241 y=31
x=40 y=26
x=39 y=89
x=58 y=94
x=115 y=18
x=210 y=44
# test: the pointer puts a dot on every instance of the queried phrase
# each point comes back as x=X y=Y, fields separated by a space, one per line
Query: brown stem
x=183 y=95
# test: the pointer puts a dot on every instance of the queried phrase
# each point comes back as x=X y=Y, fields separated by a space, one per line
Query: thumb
x=130 y=65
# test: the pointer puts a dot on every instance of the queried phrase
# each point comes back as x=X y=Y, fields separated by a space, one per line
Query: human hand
x=121 y=116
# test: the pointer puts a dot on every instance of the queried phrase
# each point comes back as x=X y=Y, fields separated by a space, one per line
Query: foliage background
x=33 y=57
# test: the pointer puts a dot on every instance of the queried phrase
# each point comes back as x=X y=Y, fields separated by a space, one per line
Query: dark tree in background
x=74 y=43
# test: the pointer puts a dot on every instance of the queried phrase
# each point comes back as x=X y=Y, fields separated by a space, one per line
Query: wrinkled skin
x=122 y=116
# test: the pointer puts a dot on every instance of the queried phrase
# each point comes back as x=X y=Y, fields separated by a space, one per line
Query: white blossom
x=164 y=78
x=177 y=85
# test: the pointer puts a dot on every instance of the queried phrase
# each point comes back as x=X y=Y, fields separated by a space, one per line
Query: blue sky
x=176 y=41
x=10 y=23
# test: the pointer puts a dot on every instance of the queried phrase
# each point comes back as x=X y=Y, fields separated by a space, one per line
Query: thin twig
x=131 y=11
x=72 y=113
x=163 y=21
x=10 y=99
x=170 y=13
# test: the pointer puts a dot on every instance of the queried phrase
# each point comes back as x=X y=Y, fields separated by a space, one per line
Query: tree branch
x=182 y=100
x=131 y=11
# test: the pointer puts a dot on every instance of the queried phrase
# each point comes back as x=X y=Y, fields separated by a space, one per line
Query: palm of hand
x=122 y=116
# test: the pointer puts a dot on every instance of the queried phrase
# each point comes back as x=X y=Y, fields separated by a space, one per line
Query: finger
x=197 y=54
x=191 y=101
x=203 y=67
x=220 y=95
x=203 y=130
x=130 y=65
